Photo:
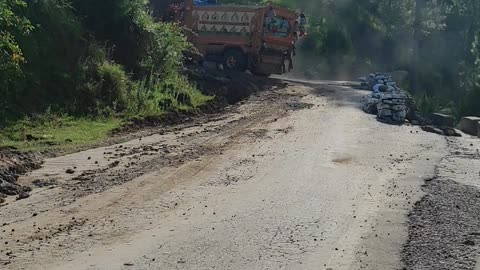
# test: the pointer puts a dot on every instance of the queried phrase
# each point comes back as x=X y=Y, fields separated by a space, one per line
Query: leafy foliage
x=434 y=40
x=86 y=57
x=89 y=57
x=12 y=23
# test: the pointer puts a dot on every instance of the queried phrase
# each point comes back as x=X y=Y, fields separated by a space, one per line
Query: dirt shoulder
x=51 y=214
x=226 y=88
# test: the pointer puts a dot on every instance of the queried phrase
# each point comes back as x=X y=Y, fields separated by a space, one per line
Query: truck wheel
x=235 y=60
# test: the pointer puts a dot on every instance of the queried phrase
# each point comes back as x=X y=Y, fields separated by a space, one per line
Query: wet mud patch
x=97 y=181
x=12 y=164
x=444 y=228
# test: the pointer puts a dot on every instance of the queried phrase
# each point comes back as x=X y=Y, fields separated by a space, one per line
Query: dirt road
x=295 y=178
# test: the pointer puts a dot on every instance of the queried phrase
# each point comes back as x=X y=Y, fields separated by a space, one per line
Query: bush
x=112 y=85
x=165 y=54
x=12 y=25
x=147 y=97
x=89 y=57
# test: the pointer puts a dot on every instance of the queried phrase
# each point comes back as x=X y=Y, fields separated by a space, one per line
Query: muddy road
x=294 y=178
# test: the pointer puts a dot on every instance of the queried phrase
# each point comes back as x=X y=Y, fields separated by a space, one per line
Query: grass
x=50 y=131
x=56 y=132
x=199 y=99
x=62 y=132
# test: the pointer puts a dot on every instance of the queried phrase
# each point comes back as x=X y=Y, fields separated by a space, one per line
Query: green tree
x=12 y=24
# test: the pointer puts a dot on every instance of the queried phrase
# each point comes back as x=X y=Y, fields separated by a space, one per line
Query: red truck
x=256 y=38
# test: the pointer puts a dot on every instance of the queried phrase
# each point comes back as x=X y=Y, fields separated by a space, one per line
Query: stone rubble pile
x=378 y=79
x=392 y=108
x=392 y=105
x=387 y=100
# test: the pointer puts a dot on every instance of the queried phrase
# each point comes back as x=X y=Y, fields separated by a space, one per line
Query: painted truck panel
x=217 y=29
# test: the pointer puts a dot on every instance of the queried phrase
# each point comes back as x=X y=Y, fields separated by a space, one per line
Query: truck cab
x=256 y=38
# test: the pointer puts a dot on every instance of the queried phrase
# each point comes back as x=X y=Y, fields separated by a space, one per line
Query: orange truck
x=256 y=38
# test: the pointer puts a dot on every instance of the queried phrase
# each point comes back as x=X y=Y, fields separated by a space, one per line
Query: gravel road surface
x=294 y=178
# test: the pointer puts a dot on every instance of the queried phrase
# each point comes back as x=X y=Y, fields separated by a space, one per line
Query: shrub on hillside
x=87 y=57
x=112 y=85
x=13 y=25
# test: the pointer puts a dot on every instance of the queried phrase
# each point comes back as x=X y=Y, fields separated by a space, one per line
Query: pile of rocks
x=371 y=102
x=392 y=108
x=377 y=80
x=392 y=105
x=387 y=100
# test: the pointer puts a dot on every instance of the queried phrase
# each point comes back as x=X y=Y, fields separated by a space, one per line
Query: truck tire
x=234 y=60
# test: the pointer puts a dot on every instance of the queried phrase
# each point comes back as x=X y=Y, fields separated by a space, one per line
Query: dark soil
x=230 y=87
x=12 y=164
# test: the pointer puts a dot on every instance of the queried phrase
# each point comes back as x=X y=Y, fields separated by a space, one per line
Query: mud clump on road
x=444 y=227
x=12 y=164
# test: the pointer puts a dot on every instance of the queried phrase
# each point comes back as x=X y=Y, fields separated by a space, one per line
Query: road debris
x=387 y=100
x=392 y=109
x=393 y=105
x=12 y=164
